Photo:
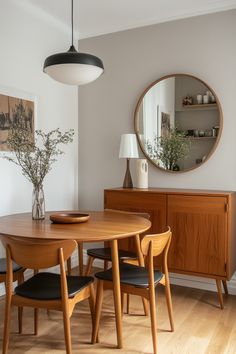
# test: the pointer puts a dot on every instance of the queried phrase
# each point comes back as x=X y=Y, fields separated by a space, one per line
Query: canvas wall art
x=18 y=111
x=165 y=124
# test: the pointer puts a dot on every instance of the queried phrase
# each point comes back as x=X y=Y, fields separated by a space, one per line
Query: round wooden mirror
x=178 y=122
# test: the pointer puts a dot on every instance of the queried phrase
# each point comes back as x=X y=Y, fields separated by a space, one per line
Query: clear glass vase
x=38 y=203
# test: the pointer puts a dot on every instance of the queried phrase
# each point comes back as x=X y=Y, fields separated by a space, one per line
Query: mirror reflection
x=178 y=122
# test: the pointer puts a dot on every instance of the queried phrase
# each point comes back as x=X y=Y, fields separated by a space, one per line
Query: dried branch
x=36 y=156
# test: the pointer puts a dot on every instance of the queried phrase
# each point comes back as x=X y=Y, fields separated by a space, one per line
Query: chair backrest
x=158 y=243
x=35 y=254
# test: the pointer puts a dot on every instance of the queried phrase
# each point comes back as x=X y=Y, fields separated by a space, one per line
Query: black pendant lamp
x=72 y=67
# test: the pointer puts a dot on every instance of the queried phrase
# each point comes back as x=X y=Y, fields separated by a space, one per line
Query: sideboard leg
x=225 y=287
x=220 y=296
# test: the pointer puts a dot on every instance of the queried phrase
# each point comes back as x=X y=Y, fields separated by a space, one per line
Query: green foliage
x=169 y=149
x=36 y=155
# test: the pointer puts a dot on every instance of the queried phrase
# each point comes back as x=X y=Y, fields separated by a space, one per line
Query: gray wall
x=203 y=46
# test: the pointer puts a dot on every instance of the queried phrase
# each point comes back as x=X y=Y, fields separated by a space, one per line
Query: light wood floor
x=200 y=327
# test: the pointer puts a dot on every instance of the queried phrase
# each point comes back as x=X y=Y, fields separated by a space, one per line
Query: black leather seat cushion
x=46 y=286
x=131 y=275
x=3 y=266
x=105 y=253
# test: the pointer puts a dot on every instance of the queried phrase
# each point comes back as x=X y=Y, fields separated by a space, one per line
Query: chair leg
x=141 y=263
x=220 y=296
x=6 y=326
x=98 y=309
x=116 y=292
x=225 y=287
x=124 y=297
x=169 y=305
x=36 y=317
x=92 y=306
x=81 y=258
x=127 y=303
x=89 y=265
x=20 y=316
x=67 y=333
x=122 y=302
x=20 y=280
x=68 y=263
x=152 y=303
x=145 y=306
x=106 y=263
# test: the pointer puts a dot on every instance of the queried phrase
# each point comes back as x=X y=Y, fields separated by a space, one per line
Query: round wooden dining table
x=101 y=226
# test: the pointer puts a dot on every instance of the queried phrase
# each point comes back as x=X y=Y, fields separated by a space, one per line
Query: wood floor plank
x=200 y=327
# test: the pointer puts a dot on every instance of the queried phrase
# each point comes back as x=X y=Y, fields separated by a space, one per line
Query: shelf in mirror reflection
x=200 y=137
x=201 y=107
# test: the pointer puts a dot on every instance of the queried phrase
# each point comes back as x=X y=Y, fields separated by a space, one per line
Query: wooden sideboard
x=203 y=225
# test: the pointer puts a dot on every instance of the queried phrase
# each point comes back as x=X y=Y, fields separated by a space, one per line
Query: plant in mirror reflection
x=169 y=150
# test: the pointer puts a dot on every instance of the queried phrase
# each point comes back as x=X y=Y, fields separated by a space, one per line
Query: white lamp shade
x=74 y=73
x=128 y=146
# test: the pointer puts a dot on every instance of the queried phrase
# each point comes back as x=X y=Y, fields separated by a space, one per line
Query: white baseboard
x=201 y=283
x=177 y=279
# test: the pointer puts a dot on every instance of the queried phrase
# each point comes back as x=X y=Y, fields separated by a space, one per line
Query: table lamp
x=128 y=150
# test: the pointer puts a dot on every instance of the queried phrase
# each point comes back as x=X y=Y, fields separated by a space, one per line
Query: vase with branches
x=36 y=155
x=169 y=149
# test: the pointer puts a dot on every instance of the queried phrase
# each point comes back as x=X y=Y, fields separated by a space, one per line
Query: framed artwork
x=15 y=108
x=165 y=124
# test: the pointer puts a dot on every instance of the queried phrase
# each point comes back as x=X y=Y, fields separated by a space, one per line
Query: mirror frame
x=136 y=121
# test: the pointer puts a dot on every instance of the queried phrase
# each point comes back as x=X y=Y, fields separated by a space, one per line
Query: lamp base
x=127 y=180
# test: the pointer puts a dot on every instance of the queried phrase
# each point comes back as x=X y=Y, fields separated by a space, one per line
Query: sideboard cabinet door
x=144 y=202
x=199 y=227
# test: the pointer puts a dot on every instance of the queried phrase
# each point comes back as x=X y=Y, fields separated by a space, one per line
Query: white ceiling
x=96 y=17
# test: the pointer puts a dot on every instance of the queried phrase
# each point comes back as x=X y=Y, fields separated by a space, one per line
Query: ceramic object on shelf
x=208 y=133
x=206 y=99
x=201 y=133
x=215 y=130
x=211 y=97
x=199 y=99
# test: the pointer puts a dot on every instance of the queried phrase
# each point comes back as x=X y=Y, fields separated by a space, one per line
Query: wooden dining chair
x=104 y=254
x=141 y=281
x=18 y=275
x=44 y=289
x=18 y=271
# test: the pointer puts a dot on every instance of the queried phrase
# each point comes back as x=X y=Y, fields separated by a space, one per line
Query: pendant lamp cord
x=72 y=23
